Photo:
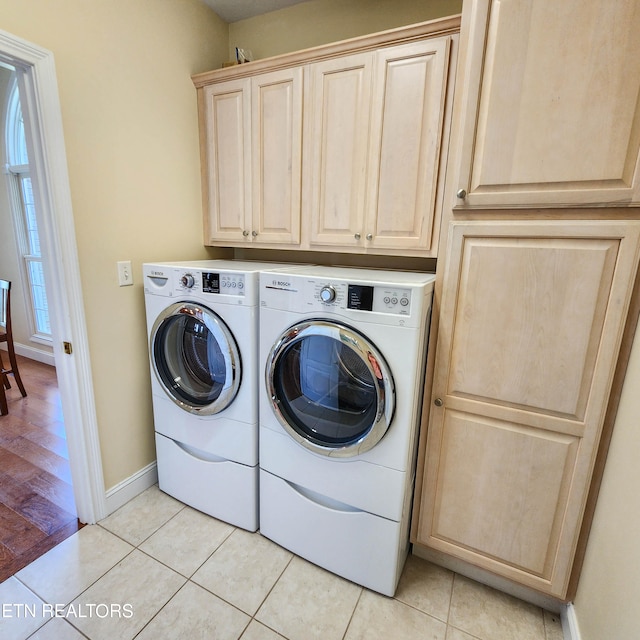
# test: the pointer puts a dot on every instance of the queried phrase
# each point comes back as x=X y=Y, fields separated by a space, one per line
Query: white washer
x=203 y=347
x=343 y=353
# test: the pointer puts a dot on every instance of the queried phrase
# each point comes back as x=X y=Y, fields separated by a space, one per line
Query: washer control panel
x=232 y=284
x=378 y=298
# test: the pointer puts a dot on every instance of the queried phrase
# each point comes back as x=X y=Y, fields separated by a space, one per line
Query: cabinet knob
x=356 y=236
x=369 y=236
x=461 y=193
x=254 y=234
x=438 y=402
x=245 y=233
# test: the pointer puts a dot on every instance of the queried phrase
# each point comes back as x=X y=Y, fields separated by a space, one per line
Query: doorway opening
x=37 y=505
x=37 y=84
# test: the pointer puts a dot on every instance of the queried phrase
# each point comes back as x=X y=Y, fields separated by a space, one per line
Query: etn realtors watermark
x=48 y=610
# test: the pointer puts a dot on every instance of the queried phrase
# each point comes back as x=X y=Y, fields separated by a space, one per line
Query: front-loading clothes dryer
x=202 y=320
x=343 y=356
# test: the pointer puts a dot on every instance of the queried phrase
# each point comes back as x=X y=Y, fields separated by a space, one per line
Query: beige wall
x=606 y=604
x=130 y=123
x=320 y=21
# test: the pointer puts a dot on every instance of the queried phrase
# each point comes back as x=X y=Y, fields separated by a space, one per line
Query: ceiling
x=234 y=10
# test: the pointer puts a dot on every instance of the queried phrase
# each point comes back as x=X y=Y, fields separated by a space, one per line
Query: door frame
x=40 y=102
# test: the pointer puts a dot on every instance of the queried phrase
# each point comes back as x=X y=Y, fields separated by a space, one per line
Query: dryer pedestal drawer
x=203 y=482
x=231 y=439
x=354 y=544
x=348 y=480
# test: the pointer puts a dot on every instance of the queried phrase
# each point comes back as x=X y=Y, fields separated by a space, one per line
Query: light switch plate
x=125 y=274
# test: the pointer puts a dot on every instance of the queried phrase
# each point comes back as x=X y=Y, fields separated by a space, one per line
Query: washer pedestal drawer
x=354 y=544
x=220 y=488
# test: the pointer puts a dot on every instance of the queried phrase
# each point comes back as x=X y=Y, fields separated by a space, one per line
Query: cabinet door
x=226 y=162
x=531 y=321
x=406 y=135
x=338 y=107
x=549 y=104
x=276 y=151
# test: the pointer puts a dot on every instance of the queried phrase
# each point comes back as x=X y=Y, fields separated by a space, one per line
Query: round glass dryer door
x=330 y=387
x=195 y=358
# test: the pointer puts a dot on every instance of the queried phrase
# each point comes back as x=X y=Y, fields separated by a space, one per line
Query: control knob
x=187 y=280
x=327 y=294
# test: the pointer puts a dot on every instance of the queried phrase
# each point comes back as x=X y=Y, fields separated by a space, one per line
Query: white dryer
x=343 y=353
x=202 y=321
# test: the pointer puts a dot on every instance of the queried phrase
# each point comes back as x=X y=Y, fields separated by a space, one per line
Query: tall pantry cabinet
x=535 y=281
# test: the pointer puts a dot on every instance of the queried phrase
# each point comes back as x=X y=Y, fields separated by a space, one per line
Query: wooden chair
x=7 y=336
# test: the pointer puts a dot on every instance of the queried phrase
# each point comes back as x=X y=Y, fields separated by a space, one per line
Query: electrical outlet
x=125 y=274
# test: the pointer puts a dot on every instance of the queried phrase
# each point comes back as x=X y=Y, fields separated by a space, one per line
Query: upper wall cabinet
x=276 y=138
x=540 y=81
x=251 y=144
x=337 y=148
x=375 y=128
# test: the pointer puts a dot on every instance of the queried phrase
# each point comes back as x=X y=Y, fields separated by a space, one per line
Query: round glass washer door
x=195 y=358
x=330 y=388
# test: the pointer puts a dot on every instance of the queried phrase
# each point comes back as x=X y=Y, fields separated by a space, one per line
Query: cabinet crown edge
x=398 y=35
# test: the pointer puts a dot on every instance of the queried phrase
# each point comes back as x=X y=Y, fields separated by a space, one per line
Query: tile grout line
x=136 y=545
x=273 y=586
x=211 y=554
x=346 y=630
x=171 y=597
x=133 y=548
x=67 y=604
x=188 y=579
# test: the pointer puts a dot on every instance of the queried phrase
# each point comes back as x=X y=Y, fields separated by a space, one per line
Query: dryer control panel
x=213 y=282
x=227 y=283
x=379 y=298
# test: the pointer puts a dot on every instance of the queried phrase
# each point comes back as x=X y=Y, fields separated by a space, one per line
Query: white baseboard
x=40 y=355
x=570 y=629
x=128 y=489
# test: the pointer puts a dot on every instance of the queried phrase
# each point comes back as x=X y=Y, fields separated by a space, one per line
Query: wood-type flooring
x=37 y=509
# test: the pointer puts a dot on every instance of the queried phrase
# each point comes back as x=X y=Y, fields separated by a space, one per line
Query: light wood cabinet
x=252 y=159
x=409 y=140
x=550 y=115
x=276 y=153
x=373 y=148
x=531 y=321
x=338 y=108
x=365 y=175
x=226 y=167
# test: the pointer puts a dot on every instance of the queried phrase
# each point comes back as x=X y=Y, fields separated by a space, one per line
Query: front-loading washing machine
x=202 y=320
x=343 y=352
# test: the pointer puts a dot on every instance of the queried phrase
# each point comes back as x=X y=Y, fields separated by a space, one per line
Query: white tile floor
x=157 y=569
